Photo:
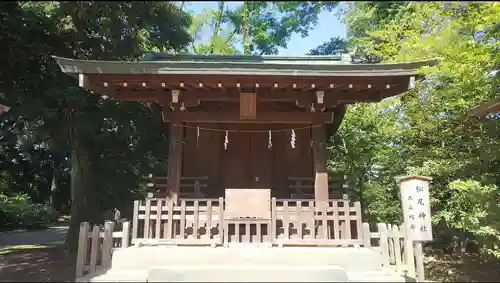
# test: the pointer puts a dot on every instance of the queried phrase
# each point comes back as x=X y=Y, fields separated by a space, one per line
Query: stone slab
x=248 y=273
x=351 y=259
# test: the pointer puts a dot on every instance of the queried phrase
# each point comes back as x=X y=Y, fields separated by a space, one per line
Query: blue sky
x=328 y=26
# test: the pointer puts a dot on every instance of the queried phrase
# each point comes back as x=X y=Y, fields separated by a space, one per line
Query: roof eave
x=72 y=66
x=486 y=108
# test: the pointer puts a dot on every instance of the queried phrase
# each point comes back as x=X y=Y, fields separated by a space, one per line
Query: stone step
x=375 y=276
x=111 y=275
x=248 y=273
x=256 y=273
x=161 y=257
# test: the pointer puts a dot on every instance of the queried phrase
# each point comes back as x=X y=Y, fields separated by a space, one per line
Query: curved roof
x=158 y=63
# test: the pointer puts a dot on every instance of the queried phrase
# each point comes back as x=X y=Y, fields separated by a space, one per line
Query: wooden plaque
x=416 y=208
x=248 y=106
x=248 y=203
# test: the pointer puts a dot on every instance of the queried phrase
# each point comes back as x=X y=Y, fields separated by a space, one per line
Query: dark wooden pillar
x=175 y=160
x=320 y=156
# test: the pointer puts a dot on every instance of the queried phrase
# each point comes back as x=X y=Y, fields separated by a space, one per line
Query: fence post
x=147 y=219
x=419 y=261
x=397 y=245
x=359 y=220
x=94 y=249
x=410 y=260
x=273 y=221
x=366 y=235
x=107 y=244
x=135 y=220
x=384 y=244
x=82 y=248
x=221 y=221
x=125 y=234
x=390 y=238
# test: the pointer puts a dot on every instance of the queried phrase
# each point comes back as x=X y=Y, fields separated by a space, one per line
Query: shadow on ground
x=41 y=263
x=54 y=235
x=467 y=268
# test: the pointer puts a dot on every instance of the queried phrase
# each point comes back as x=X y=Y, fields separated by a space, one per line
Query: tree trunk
x=244 y=31
x=53 y=190
x=217 y=26
x=82 y=196
x=462 y=243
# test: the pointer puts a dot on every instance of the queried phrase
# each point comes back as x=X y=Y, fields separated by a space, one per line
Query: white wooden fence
x=96 y=246
x=204 y=222
x=398 y=253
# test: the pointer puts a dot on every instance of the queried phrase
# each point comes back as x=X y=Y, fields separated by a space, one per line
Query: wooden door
x=261 y=161
x=236 y=161
x=248 y=162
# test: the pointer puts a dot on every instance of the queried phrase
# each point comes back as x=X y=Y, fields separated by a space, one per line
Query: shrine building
x=247 y=121
x=248 y=139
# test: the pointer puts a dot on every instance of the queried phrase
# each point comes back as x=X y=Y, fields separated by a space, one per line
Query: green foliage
x=474 y=208
x=334 y=46
x=54 y=124
x=222 y=39
x=380 y=205
x=270 y=25
x=259 y=28
x=364 y=149
x=52 y=106
x=468 y=204
x=433 y=131
x=20 y=212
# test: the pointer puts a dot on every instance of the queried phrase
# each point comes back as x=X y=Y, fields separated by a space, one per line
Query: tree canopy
x=430 y=130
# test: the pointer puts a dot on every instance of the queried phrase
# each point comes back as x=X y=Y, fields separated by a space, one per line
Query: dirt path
x=29 y=256
x=53 y=235
x=468 y=268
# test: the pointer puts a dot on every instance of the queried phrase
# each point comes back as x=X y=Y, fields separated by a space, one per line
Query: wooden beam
x=228 y=81
x=139 y=96
x=304 y=99
x=142 y=94
x=272 y=117
x=320 y=156
x=175 y=160
x=330 y=96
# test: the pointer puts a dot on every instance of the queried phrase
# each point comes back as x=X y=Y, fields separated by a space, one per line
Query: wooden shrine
x=246 y=123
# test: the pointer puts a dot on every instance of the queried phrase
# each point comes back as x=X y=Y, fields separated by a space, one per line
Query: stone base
x=147 y=258
x=245 y=263
x=254 y=273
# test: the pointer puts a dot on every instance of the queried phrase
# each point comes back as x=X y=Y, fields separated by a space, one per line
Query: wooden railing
x=191 y=187
x=96 y=245
x=292 y=222
x=336 y=222
x=194 y=221
x=303 y=188
x=398 y=252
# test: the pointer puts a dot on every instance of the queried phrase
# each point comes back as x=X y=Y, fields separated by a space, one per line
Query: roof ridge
x=158 y=56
